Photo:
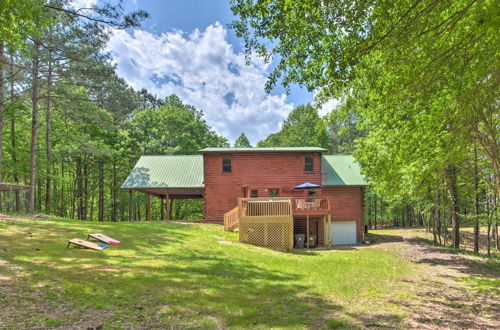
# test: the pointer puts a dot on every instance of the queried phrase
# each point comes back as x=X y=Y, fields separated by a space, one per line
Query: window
x=226 y=165
x=311 y=193
x=274 y=192
x=308 y=164
x=254 y=193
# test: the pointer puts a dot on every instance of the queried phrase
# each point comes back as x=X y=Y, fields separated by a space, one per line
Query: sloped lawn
x=188 y=276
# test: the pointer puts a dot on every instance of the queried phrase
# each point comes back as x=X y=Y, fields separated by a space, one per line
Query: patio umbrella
x=308 y=185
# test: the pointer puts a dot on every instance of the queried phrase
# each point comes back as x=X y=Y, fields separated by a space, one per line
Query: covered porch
x=167 y=196
x=168 y=178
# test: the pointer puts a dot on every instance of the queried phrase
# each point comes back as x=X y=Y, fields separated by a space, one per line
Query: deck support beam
x=307 y=231
x=330 y=230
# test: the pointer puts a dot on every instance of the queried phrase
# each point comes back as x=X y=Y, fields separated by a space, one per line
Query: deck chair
x=301 y=204
x=104 y=239
x=86 y=244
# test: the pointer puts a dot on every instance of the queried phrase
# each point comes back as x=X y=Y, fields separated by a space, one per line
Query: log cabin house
x=252 y=190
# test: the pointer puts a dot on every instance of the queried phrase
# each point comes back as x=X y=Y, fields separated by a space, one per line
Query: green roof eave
x=341 y=170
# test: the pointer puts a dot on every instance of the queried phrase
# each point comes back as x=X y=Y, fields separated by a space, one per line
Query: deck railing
x=271 y=206
x=313 y=204
x=231 y=220
x=262 y=206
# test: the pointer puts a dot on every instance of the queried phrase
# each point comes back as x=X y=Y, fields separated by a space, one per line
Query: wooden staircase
x=231 y=220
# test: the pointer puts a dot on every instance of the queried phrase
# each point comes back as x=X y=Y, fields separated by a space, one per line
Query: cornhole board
x=104 y=239
x=85 y=244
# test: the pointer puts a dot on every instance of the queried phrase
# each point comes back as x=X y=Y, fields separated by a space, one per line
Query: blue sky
x=186 y=48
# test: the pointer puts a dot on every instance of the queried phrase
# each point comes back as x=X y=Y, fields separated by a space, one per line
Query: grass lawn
x=189 y=276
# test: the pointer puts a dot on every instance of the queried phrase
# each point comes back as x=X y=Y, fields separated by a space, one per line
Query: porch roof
x=172 y=172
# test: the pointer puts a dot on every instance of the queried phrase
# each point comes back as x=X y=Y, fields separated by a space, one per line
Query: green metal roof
x=341 y=170
x=184 y=171
x=269 y=149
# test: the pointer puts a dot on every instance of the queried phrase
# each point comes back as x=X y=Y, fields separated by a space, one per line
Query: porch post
x=162 y=211
x=167 y=206
x=130 y=205
x=325 y=233
x=148 y=209
x=307 y=230
x=330 y=230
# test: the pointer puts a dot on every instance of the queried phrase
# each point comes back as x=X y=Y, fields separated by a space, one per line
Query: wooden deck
x=269 y=221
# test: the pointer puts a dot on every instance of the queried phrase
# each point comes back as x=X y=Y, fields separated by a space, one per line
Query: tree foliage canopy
x=242 y=142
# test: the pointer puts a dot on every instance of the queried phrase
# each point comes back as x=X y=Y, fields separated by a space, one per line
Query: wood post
x=330 y=238
x=307 y=231
x=130 y=205
x=162 y=211
x=148 y=209
x=167 y=206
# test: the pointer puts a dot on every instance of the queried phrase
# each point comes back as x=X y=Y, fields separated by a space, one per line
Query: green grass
x=186 y=275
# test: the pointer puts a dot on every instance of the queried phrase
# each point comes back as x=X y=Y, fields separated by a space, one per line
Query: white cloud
x=203 y=69
x=328 y=106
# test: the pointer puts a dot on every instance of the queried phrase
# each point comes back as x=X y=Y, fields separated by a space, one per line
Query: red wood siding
x=346 y=205
x=261 y=171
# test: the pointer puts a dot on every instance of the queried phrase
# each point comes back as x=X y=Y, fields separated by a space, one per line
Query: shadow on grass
x=456 y=259
x=376 y=238
x=146 y=285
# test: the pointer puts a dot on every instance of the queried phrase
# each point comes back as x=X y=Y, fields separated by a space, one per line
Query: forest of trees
x=425 y=131
x=421 y=81
x=69 y=126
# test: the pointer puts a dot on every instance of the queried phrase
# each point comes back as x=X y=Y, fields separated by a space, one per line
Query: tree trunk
x=113 y=194
x=48 y=182
x=15 y=170
x=92 y=199
x=74 y=200
x=85 y=188
x=451 y=174
x=476 y=203
x=79 y=188
x=34 y=124
x=62 y=207
x=437 y=217
x=375 y=212
x=101 y=190
x=488 y=232
x=1 y=113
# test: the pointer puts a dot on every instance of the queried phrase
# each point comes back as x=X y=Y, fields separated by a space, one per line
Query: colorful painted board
x=85 y=244
x=104 y=238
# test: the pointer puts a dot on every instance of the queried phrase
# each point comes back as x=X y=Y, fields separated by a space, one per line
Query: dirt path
x=446 y=299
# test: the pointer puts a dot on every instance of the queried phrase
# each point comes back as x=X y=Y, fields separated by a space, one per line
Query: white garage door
x=344 y=232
